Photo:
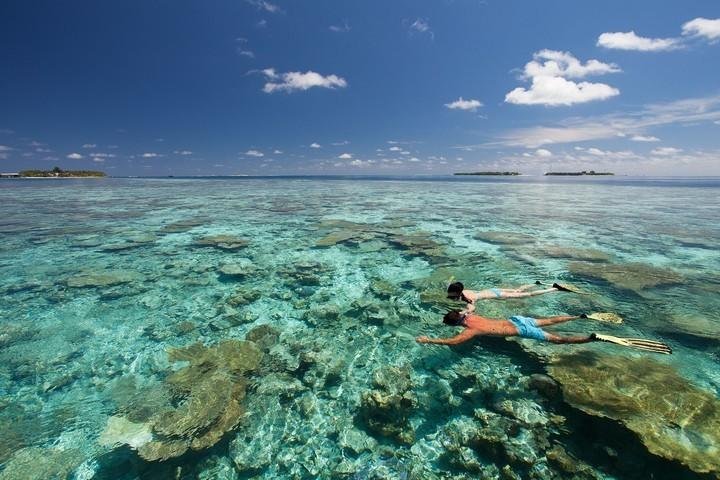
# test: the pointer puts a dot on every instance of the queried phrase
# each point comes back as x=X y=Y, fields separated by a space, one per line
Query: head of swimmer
x=453 y=318
x=455 y=290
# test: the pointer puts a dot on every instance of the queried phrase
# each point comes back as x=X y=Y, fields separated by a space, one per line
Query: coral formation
x=673 y=418
x=386 y=408
x=629 y=276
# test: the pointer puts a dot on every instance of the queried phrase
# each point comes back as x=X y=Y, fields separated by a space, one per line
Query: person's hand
x=422 y=339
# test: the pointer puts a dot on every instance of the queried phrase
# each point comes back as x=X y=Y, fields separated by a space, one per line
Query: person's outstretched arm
x=463 y=336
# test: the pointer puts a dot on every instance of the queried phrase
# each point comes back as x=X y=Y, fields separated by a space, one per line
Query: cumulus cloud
x=395 y=149
x=294 y=81
x=74 y=156
x=703 y=27
x=461 y=104
x=277 y=152
x=254 y=153
x=315 y=145
x=89 y=145
x=150 y=155
x=644 y=138
x=631 y=41
x=549 y=72
x=183 y=152
x=665 y=151
x=345 y=156
x=102 y=155
x=542 y=152
x=4 y=148
x=596 y=151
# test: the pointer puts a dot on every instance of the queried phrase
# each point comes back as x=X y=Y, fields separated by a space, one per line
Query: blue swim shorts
x=527 y=327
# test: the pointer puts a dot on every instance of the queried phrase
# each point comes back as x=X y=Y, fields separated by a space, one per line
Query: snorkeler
x=456 y=291
x=527 y=327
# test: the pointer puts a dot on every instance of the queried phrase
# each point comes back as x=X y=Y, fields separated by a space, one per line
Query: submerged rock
x=207 y=392
x=181 y=226
x=222 y=242
x=35 y=463
x=629 y=276
x=581 y=254
x=121 y=431
x=239 y=268
x=505 y=238
x=673 y=418
x=386 y=409
x=102 y=278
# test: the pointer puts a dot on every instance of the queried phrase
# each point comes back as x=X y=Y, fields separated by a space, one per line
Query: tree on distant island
x=59 y=172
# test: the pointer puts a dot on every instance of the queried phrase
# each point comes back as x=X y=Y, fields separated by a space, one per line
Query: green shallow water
x=99 y=278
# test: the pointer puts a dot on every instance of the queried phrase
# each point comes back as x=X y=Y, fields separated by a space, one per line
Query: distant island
x=60 y=173
x=591 y=172
x=487 y=173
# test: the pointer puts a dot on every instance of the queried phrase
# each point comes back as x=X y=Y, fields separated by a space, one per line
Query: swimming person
x=456 y=291
x=516 y=326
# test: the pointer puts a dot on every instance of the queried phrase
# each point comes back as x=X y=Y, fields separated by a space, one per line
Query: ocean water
x=126 y=306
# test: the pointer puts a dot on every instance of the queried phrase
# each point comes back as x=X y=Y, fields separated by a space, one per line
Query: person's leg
x=523 y=288
x=518 y=294
x=552 y=338
x=544 y=322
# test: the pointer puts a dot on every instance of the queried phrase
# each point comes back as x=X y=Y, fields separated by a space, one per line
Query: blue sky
x=369 y=87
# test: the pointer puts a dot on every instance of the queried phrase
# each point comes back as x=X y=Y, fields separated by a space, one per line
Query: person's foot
x=538 y=282
x=560 y=287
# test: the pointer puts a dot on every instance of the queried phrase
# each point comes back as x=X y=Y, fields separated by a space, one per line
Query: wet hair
x=453 y=317
x=455 y=290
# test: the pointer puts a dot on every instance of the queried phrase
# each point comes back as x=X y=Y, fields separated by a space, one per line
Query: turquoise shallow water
x=100 y=279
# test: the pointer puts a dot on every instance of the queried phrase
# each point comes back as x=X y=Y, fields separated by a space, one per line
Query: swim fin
x=567 y=287
x=605 y=317
x=639 y=343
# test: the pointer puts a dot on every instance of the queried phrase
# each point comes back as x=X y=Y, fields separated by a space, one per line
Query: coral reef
x=673 y=418
x=385 y=410
x=637 y=277
x=225 y=242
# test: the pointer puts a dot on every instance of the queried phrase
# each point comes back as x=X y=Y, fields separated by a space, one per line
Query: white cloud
x=261 y=24
x=74 y=156
x=102 y=155
x=413 y=159
x=703 y=27
x=395 y=149
x=277 y=152
x=461 y=104
x=553 y=63
x=549 y=72
x=315 y=145
x=244 y=52
x=596 y=151
x=345 y=156
x=644 y=138
x=687 y=111
x=340 y=28
x=338 y=144
x=293 y=81
x=419 y=25
x=541 y=152
x=89 y=145
x=265 y=5
x=3 y=148
x=254 y=153
x=150 y=155
x=630 y=41
x=183 y=152
x=404 y=152
x=665 y=151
